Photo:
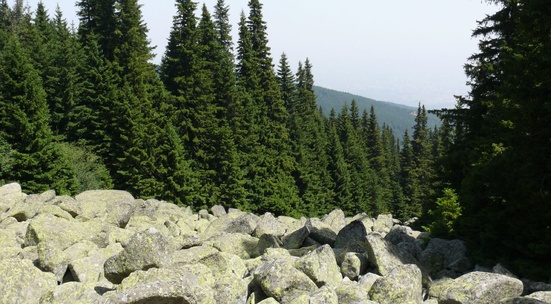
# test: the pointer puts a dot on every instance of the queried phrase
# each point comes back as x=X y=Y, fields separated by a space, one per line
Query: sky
x=402 y=51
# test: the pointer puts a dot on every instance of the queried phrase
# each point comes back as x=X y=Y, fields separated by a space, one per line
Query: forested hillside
x=221 y=123
x=398 y=117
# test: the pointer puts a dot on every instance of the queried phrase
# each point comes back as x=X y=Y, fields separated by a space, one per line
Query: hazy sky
x=402 y=51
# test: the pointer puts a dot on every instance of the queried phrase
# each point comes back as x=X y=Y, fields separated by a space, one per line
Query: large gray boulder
x=73 y=292
x=476 y=288
x=114 y=206
x=242 y=245
x=350 y=292
x=270 y=225
x=321 y=232
x=90 y=269
x=320 y=266
x=63 y=233
x=228 y=289
x=443 y=254
x=191 y=284
x=278 y=277
x=22 y=282
x=335 y=219
x=385 y=256
x=147 y=249
x=10 y=194
x=402 y=285
x=352 y=237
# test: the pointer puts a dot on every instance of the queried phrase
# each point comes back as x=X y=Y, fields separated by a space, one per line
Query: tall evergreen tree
x=502 y=140
x=38 y=165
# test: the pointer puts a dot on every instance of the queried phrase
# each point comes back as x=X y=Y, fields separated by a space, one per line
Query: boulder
x=321 y=232
x=440 y=254
x=353 y=265
x=63 y=233
x=335 y=219
x=9 y=195
x=115 y=206
x=384 y=255
x=349 y=292
x=242 y=245
x=352 y=237
x=192 y=284
x=295 y=239
x=22 y=282
x=402 y=285
x=191 y=255
x=383 y=224
x=72 y=292
x=91 y=267
x=218 y=210
x=270 y=225
x=228 y=289
x=320 y=266
x=278 y=277
x=225 y=264
x=476 y=288
x=147 y=249
x=324 y=295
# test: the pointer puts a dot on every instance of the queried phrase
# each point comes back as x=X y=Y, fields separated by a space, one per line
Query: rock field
x=105 y=246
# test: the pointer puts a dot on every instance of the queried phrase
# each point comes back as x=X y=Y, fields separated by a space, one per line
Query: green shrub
x=444 y=216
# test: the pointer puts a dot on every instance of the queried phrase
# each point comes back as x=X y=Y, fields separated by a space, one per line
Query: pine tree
x=38 y=165
x=502 y=142
x=223 y=26
x=310 y=141
x=338 y=169
x=409 y=181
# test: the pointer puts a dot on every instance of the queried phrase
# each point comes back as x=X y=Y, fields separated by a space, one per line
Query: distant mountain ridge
x=397 y=116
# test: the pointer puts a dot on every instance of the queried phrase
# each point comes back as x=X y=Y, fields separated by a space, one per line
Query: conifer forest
x=220 y=121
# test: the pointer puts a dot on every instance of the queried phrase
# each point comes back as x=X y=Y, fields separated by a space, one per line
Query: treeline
x=85 y=108
x=500 y=157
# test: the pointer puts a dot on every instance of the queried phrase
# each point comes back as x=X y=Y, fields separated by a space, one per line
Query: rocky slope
x=107 y=247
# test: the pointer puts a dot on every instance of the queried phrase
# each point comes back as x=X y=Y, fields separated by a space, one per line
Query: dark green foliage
x=37 y=165
x=502 y=140
x=89 y=171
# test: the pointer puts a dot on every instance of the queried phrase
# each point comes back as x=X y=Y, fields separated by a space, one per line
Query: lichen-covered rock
x=383 y=224
x=225 y=264
x=353 y=264
x=296 y=238
x=9 y=195
x=62 y=232
x=242 y=245
x=544 y=296
x=53 y=260
x=386 y=256
x=349 y=292
x=270 y=225
x=324 y=295
x=218 y=210
x=229 y=289
x=147 y=249
x=476 y=288
x=440 y=254
x=352 y=237
x=366 y=281
x=402 y=285
x=278 y=277
x=113 y=205
x=190 y=284
x=72 y=292
x=192 y=255
x=335 y=219
x=90 y=268
x=320 y=266
x=321 y=232
x=22 y=282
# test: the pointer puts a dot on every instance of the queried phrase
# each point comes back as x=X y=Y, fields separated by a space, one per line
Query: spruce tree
x=38 y=165
x=501 y=143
